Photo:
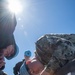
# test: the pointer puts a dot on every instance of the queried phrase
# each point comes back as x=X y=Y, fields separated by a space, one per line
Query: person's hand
x=2 y=61
x=70 y=67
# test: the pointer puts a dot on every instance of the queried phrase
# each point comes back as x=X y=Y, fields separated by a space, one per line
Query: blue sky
x=41 y=17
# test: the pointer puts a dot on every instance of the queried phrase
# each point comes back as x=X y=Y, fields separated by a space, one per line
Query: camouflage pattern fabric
x=55 y=50
x=70 y=37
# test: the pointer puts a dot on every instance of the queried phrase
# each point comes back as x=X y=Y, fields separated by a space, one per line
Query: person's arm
x=16 y=69
x=70 y=67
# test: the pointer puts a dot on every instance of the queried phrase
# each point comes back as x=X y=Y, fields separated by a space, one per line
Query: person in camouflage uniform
x=54 y=55
x=54 y=52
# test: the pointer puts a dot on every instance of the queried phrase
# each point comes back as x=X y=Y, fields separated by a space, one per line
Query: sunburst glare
x=15 y=6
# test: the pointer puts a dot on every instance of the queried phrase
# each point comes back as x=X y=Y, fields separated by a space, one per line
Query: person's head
x=54 y=52
x=7 y=24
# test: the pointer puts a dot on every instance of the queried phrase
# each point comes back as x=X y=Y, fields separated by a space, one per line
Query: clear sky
x=41 y=17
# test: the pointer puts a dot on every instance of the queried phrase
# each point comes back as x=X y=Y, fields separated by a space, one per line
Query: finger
x=2 y=64
x=2 y=57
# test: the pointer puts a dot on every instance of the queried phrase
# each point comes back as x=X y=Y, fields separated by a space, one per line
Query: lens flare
x=15 y=6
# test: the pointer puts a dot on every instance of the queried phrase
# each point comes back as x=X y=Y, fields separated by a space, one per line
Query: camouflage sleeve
x=70 y=37
x=55 y=50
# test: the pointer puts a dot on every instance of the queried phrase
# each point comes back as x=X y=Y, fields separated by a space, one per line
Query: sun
x=15 y=6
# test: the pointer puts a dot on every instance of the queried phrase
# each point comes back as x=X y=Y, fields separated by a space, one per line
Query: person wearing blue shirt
x=16 y=69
